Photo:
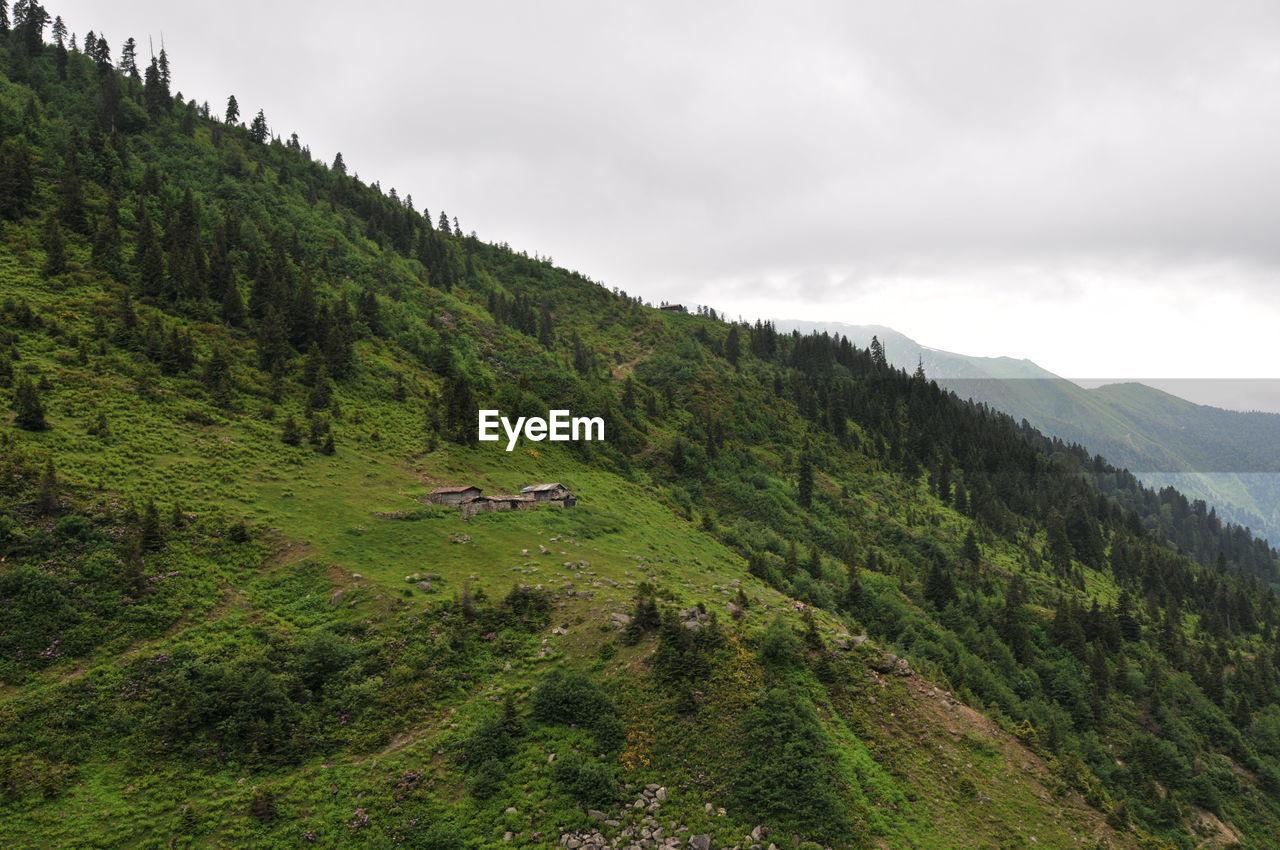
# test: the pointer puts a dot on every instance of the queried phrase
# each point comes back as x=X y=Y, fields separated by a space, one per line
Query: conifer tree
x=106 y=241
x=55 y=248
x=148 y=257
x=156 y=91
x=232 y=305
x=71 y=199
x=129 y=59
x=258 y=128
x=48 y=501
x=290 y=434
x=733 y=345
x=338 y=165
x=233 y=110
x=804 y=483
x=877 y=353
x=4 y=15
x=26 y=401
x=150 y=531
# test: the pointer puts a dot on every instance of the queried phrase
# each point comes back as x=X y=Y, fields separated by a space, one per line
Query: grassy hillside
x=805 y=599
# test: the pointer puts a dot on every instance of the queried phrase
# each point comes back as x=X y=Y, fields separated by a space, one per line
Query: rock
x=336 y=598
x=512 y=810
x=711 y=810
x=700 y=842
x=543 y=550
x=758 y=833
x=660 y=794
x=885 y=662
x=424 y=586
x=508 y=836
x=596 y=814
x=620 y=621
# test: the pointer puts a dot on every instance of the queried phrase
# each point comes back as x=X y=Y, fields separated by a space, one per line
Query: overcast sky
x=1091 y=185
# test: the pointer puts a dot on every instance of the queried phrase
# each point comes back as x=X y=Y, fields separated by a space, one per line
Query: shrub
x=572 y=699
x=586 y=780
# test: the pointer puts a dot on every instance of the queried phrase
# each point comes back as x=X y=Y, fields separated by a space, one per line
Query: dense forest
x=233 y=372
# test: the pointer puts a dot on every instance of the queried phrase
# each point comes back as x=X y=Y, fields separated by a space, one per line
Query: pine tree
x=290 y=434
x=814 y=565
x=106 y=242
x=232 y=305
x=26 y=401
x=150 y=531
x=129 y=59
x=233 y=110
x=71 y=199
x=970 y=551
x=156 y=92
x=733 y=345
x=939 y=588
x=59 y=32
x=149 y=258
x=48 y=501
x=338 y=165
x=258 y=128
x=4 y=15
x=852 y=596
x=55 y=248
x=877 y=353
x=804 y=483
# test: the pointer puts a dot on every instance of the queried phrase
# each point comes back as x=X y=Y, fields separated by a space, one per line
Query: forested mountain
x=805 y=599
x=1226 y=458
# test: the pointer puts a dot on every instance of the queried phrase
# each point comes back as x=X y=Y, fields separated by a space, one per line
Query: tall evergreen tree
x=129 y=59
x=733 y=345
x=148 y=257
x=27 y=404
x=258 y=128
x=804 y=482
x=233 y=110
x=55 y=248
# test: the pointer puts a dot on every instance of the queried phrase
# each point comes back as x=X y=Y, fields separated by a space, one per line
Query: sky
x=1094 y=186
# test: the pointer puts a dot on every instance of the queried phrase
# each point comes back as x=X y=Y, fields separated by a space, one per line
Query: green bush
x=571 y=699
x=586 y=780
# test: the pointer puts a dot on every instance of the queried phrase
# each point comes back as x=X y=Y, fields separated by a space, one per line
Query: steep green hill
x=805 y=599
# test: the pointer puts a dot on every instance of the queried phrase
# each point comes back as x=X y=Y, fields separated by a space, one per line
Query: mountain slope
x=1224 y=457
x=801 y=590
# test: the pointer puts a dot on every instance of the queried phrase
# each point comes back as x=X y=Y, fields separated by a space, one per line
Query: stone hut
x=555 y=493
x=453 y=495
x=493 y=504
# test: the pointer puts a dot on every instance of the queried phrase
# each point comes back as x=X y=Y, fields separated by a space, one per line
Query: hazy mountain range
x=1226 y=457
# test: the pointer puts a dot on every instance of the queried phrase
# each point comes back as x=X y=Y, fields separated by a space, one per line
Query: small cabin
x=554 y=493
x=493 y=504
x=453 y=495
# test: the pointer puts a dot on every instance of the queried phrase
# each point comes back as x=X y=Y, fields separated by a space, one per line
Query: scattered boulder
x=700 y=842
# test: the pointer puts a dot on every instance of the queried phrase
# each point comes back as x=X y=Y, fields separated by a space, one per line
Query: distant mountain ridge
x=1226 y=457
